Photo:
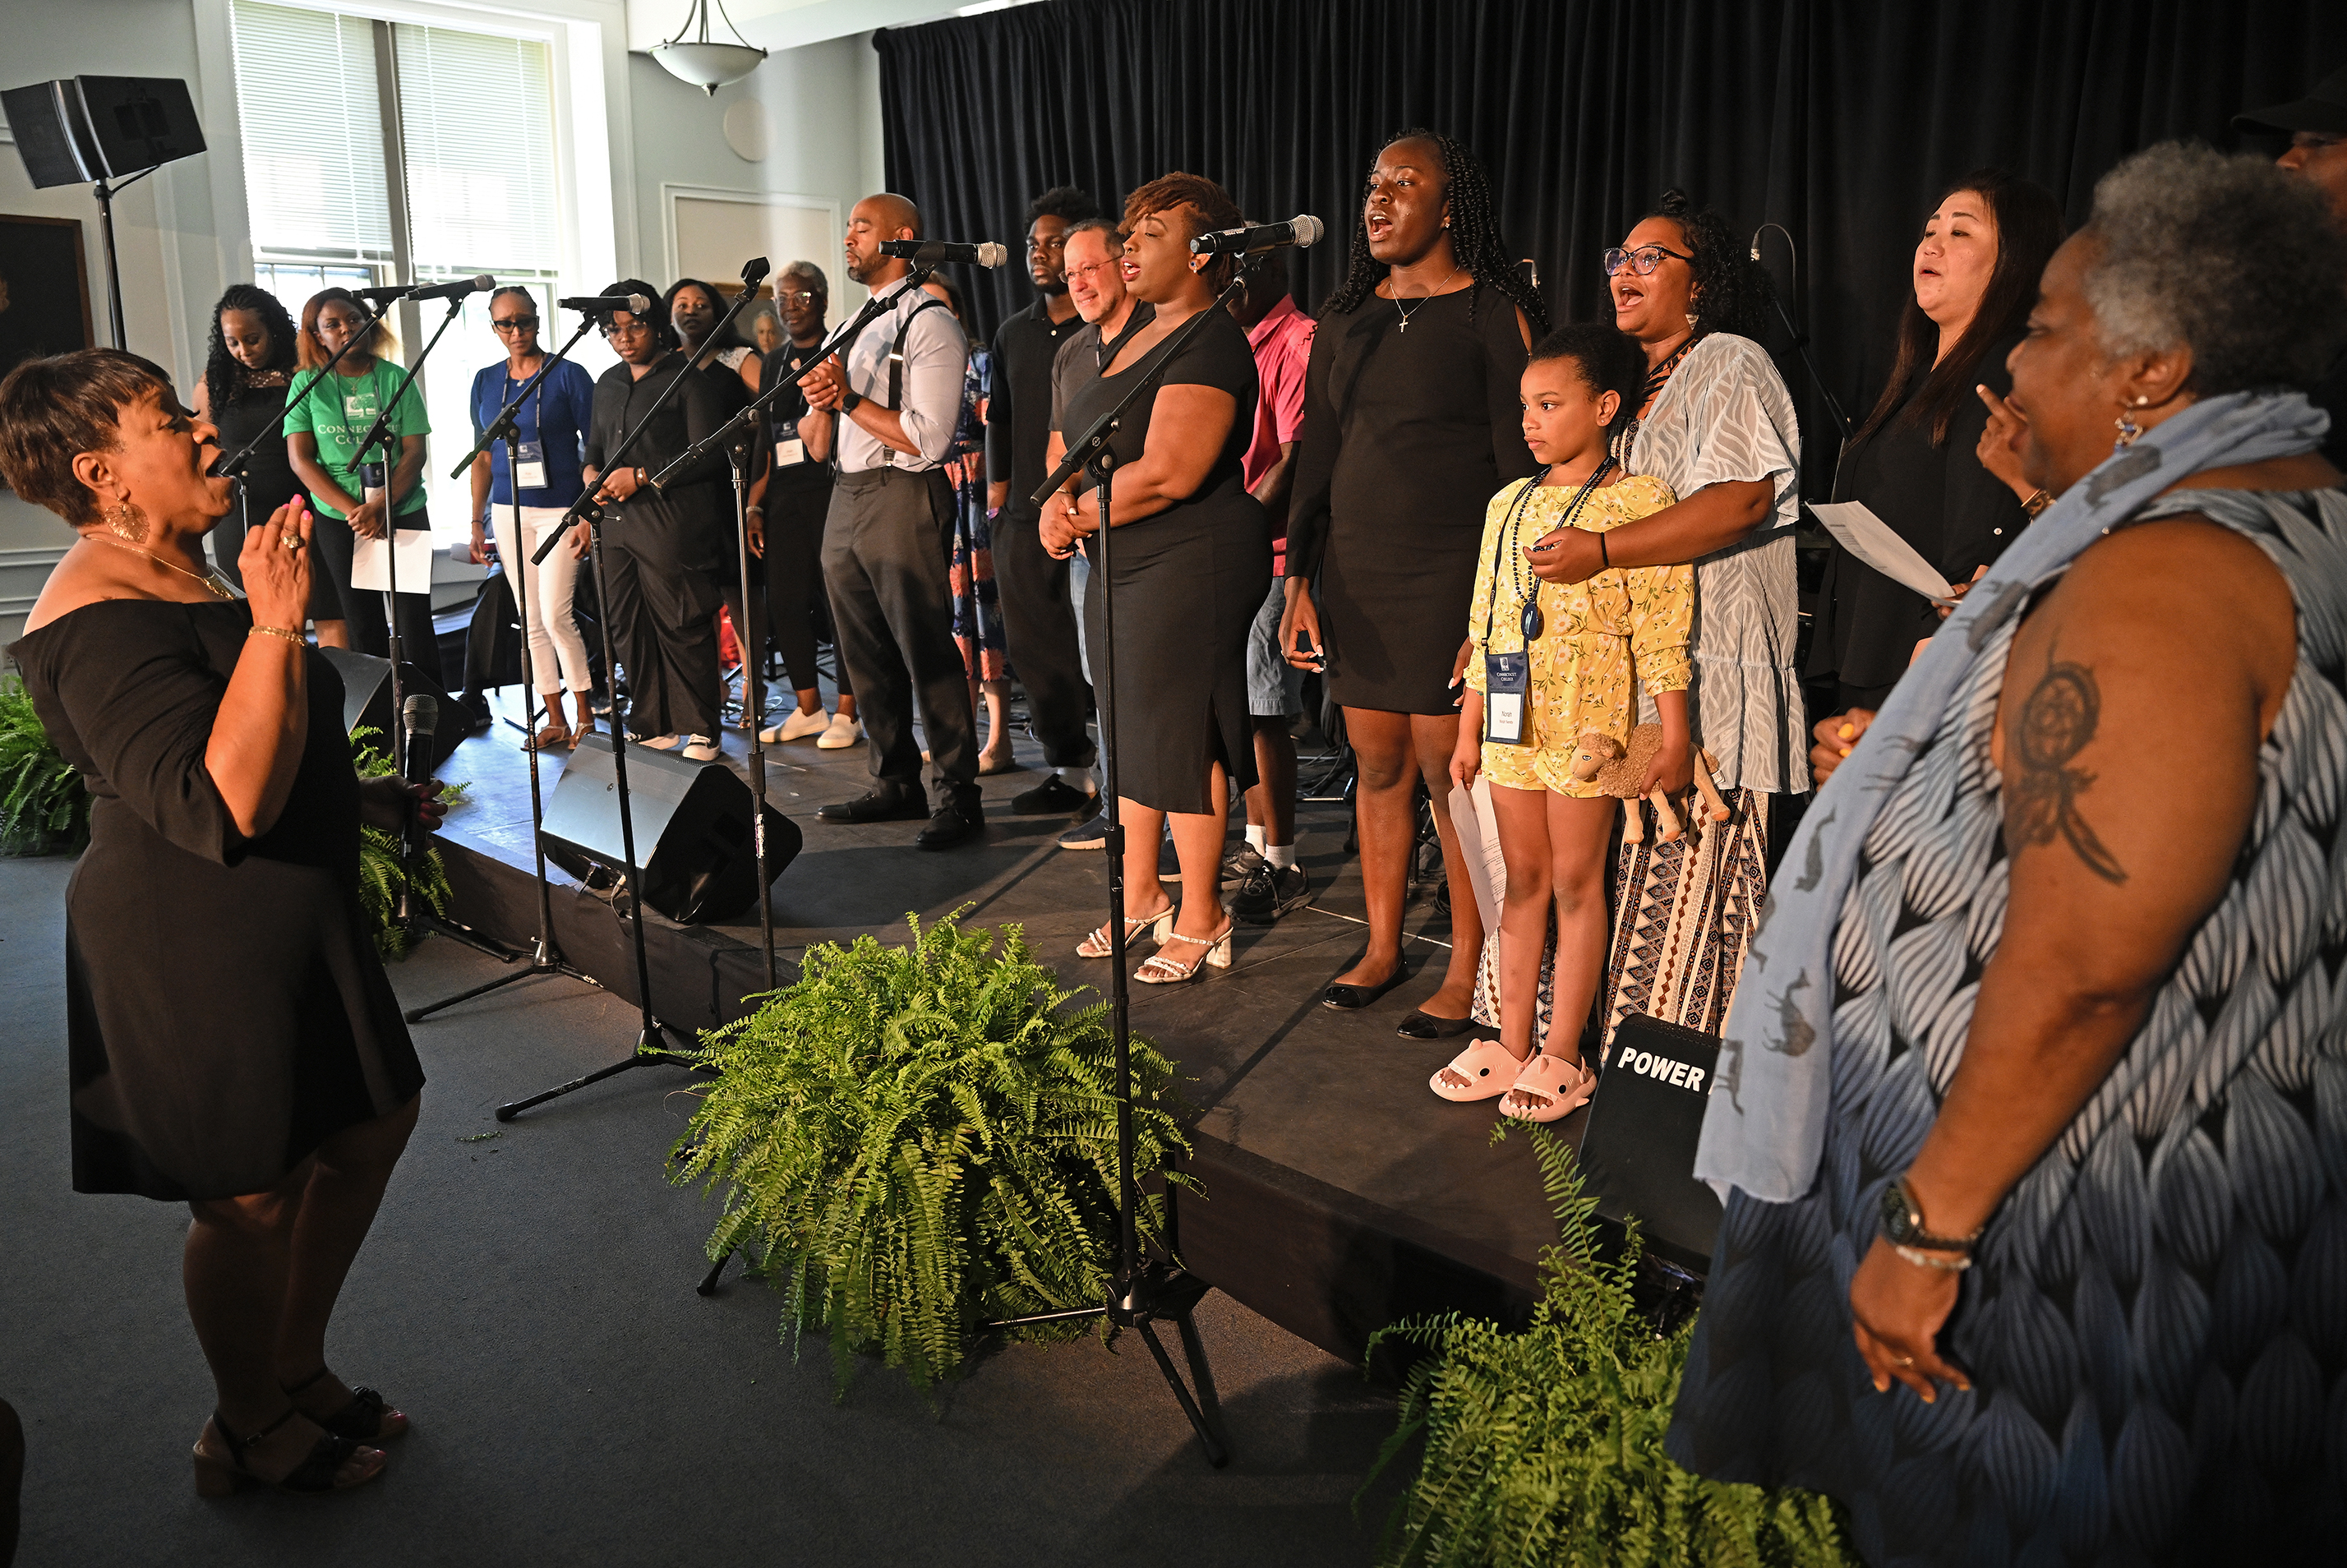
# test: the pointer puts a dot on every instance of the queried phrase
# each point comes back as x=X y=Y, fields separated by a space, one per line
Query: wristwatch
x=848 y=398
x=1902 y=1224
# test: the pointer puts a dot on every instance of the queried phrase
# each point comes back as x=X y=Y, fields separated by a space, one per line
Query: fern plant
x=380 y=876
x=44 y=804
x=1546 y=1446
x=922 y=1140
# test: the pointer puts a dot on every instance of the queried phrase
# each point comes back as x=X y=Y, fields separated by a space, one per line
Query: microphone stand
x=652 y=1039
x=735 y=436
x=1143 y=1289
x=545 y=958
x=1801 y=339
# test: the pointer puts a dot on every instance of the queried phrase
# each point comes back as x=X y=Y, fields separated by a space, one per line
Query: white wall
x=182 y=235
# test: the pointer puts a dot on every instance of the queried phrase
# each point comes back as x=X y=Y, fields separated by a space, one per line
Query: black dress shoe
x=957 y=822
x=1426 y=1026
x=1352 y=999
x=879 y=805
x=1053 y=797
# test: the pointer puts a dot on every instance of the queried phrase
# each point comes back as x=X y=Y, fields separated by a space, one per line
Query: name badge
x=790 y=453
x=529 y=469
x=1507 y=678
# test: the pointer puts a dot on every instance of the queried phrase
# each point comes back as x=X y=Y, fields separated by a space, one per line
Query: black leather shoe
x=1053 y=797
x=879 y=805
x=1352 y=999
x=1426 y=1026
x=957 y=822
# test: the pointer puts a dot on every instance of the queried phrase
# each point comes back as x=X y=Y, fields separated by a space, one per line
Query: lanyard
x=1503 y=549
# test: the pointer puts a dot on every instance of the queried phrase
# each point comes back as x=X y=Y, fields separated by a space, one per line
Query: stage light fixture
x=706 y=63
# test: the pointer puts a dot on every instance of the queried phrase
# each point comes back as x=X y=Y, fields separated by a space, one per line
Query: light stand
x=106 y=194
x=545 y=958
x=735 y=434
x=652 y=1047
x=1143 y=1289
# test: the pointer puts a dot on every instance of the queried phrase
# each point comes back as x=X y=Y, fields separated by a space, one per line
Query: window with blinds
x=477 y=120
x=311 y=113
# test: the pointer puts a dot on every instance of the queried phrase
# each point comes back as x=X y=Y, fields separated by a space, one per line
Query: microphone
x=456 y=290
x=420 y=717
x=600 y=304
x=930 y=252
x=384 y=293
x=1300 y=231
x=1755 y=240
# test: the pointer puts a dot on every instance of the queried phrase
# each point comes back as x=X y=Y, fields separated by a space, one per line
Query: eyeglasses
x=1108 y=266
x=1642 y=261
x=515 y=323
x=626 y=329
x=796 y=297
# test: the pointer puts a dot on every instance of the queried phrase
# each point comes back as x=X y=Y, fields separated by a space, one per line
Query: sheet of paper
x=1479 y=841
x=1872 y=540
x=371 y=562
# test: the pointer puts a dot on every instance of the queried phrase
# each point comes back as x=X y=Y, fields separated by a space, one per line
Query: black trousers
x=1039 y=621
x=798 y=607
x=887 y=548
x=664 y=624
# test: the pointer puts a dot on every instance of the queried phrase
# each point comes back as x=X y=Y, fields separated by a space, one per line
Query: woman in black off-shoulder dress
x=232 y=1040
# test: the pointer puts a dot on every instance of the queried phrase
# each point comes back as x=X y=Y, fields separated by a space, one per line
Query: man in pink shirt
x=1270 y=882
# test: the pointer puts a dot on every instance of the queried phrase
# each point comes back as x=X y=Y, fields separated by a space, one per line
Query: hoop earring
x=127 y=521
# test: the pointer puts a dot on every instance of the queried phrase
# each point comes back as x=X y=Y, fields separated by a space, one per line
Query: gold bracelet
x=294 y=637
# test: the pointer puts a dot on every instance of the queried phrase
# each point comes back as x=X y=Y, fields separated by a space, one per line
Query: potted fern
x=44 y=805
x=921 y=1139
x=380 y=874
x=1546 y=1446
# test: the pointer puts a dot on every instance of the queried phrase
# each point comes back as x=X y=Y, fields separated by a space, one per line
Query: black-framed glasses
x=514 y=323
x=1642 y=261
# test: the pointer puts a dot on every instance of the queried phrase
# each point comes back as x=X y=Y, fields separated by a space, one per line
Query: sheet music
x=371 y=562
x=1873 y=541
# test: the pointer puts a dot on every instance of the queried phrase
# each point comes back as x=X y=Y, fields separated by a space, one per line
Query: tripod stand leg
x=1217 y=1454
x=1202 y=1375
x=708 y=1286
x=648 y=1054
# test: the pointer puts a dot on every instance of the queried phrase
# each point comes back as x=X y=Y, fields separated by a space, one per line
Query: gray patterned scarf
x=1776 y=1049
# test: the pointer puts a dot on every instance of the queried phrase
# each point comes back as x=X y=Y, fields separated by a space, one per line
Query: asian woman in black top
x=247 y=370
x=1913 y=463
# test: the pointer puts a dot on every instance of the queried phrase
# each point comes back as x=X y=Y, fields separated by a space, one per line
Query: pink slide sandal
x=1488 y=1067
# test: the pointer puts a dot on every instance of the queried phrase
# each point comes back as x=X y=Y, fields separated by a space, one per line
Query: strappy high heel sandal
x=1096 y=945
x=369 y=1418
x=1162 y=970
x=221 y=1474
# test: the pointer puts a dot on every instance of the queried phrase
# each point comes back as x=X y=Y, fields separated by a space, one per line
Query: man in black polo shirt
x=1038 y=620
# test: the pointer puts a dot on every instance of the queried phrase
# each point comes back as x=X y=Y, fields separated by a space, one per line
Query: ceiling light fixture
x=705 y=63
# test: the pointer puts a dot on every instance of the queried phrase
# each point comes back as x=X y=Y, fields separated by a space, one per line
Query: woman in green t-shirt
x=322 y=436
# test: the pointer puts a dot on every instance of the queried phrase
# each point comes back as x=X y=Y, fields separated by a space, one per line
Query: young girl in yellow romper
x=1549 y=663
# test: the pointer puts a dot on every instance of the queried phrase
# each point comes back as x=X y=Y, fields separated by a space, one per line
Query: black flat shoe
x=1352 y=999
x=957 y=822
x=1426 y=1026
x=1053 y=797
x=879 y=805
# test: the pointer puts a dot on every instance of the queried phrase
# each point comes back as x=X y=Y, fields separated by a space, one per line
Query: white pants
x=553 y=632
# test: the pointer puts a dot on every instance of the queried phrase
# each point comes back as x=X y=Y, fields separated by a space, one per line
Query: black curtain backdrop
x=1839 y=120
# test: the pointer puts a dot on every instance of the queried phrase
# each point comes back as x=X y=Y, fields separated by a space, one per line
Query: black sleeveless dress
x=269 y=483
x=1188 y=583
x=226 y=1011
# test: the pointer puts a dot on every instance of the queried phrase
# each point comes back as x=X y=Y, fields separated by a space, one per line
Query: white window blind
x=311 y=114
x=476 y=119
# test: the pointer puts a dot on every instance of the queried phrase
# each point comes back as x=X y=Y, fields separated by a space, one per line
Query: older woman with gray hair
x=2032 y=1107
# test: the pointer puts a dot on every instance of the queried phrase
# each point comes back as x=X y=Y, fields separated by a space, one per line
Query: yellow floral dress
x=1597 y=633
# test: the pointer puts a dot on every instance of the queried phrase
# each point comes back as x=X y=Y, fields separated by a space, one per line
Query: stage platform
x=1339 y=1194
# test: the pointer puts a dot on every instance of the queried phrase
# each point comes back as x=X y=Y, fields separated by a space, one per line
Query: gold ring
x=291 y=541
x=1904 y=1360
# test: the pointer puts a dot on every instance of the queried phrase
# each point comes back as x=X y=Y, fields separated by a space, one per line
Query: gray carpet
x=527 y=1297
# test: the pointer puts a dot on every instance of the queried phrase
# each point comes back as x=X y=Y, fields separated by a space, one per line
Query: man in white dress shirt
x=889 y=411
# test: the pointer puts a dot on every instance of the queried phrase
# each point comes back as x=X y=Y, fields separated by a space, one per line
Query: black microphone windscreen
x=421 y=714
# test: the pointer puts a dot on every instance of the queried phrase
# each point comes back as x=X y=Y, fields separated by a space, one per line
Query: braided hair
x=222 y=372
x=1475 y=238
x=1729 y=294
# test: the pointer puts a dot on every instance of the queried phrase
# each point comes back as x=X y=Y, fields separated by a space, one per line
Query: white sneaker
x=700 y=749
x=842 y=731
x=797 y=727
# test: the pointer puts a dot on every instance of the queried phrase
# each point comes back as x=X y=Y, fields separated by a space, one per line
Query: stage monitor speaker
x=692 y=830
x=1639 y=1151
x=80 y=129
x=366 y=700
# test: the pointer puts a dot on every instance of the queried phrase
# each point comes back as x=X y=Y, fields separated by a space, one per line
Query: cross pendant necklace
x=1421 y=300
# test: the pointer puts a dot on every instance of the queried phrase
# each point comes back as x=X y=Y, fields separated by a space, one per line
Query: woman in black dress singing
x=248 y=371
x=1411 y=423
x=1189 y=566
x=232 y=1042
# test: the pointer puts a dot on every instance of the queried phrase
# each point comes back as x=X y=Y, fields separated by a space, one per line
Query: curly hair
x=1606 y=358
x=1064 y=202
x=2224 y=254
x=1730 y=291
x=1210 y=205
x=1475 y=238
x=221 y=382
x=52 y=410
